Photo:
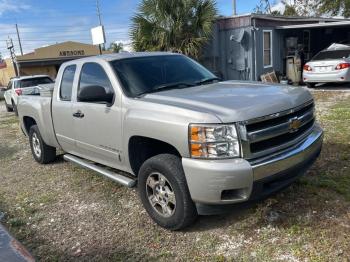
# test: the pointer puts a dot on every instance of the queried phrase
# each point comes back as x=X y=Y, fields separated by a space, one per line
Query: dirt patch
x=62 y=212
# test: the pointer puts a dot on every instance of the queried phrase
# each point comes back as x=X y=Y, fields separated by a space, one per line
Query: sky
x=45 y=22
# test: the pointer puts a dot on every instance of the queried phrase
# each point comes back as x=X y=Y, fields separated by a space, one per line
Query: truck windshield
x=35 y=81
x=142 y=75
x=331 y=55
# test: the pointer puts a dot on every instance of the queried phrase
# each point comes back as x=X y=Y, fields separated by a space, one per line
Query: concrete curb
x=11 y=249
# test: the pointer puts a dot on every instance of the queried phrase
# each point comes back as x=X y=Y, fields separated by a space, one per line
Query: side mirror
x=95 y=94
x=3 y=89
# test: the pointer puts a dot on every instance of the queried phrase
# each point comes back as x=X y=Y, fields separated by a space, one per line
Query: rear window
x=329 y=55
x=35 y=81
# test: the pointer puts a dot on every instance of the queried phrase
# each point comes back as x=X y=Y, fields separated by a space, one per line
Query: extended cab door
x=62 y=108
x=98 y=124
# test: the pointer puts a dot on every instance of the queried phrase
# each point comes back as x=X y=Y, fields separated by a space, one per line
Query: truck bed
x=36 y=104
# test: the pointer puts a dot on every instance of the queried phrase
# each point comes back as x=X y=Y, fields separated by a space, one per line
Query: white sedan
x=331 y=65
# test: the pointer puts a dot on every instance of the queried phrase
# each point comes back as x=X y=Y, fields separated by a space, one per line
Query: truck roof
x=123 y=55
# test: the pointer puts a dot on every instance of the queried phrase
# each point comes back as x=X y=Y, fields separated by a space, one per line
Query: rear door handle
x=78 y=114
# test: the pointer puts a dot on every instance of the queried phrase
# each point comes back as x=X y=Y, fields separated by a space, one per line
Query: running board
x=123 y=180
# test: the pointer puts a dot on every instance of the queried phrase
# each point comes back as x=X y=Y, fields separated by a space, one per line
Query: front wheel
x=42 y=152
x=164 y=193
x=311 y=85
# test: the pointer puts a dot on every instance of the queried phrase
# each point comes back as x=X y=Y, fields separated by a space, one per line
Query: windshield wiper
x=207 y=80
x=167 y=87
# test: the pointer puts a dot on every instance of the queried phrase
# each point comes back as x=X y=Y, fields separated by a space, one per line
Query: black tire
x=47 y=153
x=8 y=109
x=311 y=85
x=170 y=166
x=14 y=107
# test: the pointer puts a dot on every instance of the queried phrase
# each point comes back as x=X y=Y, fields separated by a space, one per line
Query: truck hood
x=233 y=101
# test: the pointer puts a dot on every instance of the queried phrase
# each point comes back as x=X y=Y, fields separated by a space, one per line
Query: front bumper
x=238 y=180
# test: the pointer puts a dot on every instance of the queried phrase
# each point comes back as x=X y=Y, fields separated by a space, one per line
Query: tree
x=335 y=7
x=182 y=26
x=116 y=47
x=290 y=10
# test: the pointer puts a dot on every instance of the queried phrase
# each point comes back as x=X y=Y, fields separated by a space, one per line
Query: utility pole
x=19 y=40
x=100 y=21
x=234 y=7
x=11 y=48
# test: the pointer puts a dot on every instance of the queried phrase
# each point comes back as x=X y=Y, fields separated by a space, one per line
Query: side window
x=267 y=45
x=93 y=74
x=67 y=83
x=17 y=84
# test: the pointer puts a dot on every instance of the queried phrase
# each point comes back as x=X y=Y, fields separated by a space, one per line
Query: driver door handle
x=78 y=114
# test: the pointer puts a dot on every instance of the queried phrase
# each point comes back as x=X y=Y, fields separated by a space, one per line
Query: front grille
x=273 y=133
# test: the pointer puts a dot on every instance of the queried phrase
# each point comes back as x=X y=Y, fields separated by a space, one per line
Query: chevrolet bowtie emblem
x=294 y=124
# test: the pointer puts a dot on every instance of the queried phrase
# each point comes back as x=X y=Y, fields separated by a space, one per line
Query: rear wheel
x=311 y=85
x=164 y=193
x=8 y=109
x=42 y=152
x=14 y=108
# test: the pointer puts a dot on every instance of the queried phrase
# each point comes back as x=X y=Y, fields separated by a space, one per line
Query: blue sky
x=44 y=22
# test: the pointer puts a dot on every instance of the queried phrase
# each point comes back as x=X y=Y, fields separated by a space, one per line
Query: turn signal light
x=342 y=66
x=18 y=91
x=307 y=68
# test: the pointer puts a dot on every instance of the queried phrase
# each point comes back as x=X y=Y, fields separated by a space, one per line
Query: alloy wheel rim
x=160 y=194
x=36 y=145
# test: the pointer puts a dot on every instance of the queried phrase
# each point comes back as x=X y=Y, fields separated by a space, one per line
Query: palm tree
x=182 y=26
x=116 y=47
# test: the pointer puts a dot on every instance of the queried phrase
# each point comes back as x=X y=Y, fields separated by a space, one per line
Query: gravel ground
x=64 y=213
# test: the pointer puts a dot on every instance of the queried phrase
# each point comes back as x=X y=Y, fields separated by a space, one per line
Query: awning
x=316 y=25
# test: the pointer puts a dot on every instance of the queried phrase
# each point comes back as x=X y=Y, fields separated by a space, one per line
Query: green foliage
x=335 y=7
x=116 y=47
x=182 y=26
x=290 y=11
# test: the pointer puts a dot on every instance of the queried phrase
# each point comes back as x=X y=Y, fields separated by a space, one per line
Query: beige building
x=46 y=60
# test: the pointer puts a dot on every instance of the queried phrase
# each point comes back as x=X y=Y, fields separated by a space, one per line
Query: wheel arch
x=141 y=148
x=28 y=122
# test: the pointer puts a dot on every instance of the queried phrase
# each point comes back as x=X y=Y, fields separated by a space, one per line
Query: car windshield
x=35 y=81
x=142 y=75
x=331 y=55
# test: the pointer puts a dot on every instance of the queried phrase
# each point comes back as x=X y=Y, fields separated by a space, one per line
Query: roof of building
x=64 y=50
x=316 y=25
x=285 y=18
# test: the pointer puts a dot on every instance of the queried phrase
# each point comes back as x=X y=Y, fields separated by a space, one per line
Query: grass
x=65 y=213
x=335 y=175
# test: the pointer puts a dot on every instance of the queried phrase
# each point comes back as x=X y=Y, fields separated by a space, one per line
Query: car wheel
x=8 y=109
x=14 y=108
x=311 y=85
x=42 y=152
x=164 y=192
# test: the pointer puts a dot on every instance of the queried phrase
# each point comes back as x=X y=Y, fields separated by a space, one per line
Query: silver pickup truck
x=190 y=142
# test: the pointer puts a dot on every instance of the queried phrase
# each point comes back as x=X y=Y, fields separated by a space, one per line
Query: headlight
x=213 y=141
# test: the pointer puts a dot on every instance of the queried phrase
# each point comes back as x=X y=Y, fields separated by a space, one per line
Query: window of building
x=267 y=46
x=67 y=83
x=93 y=74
